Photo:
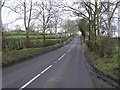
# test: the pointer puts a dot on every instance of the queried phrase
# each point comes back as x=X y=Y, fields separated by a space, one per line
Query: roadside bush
x=51 y=42
x=105 y=46
x=10 y=44
x=92 y=45
x=18 y=44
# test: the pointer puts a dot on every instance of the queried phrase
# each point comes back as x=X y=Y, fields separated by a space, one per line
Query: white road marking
x=25 y=85
x=62 y=56
x=68 y=50
x=75 y=42
x=46 y=69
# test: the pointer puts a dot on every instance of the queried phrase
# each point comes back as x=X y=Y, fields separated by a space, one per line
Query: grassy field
x=22 y=36
x=18 y=32
x=31 y=36
x=14 y=34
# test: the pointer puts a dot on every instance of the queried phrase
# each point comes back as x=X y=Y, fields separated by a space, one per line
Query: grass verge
x=109 y=67
x=11 y=57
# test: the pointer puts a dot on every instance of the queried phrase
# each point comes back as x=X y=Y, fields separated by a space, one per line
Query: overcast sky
x=8 y=16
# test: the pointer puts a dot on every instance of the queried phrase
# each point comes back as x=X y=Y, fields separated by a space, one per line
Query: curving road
x=61 y=68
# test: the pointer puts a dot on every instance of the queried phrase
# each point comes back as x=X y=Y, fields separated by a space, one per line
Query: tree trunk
x=98 y=25
x=89 y=24
x=44 y=25
x=89 y=33
x=27 y=32
x=119 y=35
x=56 y=30
x=109 y=20
x=27 y=24
x=0 y=15
x=0 y=26
x=119 y=21
x=27 y=38
x=44 y=39
x=95 y=21
x=94 y=26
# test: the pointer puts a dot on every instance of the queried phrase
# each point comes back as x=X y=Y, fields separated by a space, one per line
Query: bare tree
x=71 y=27
x=0 y=26
x=119 y=20
x=57 y=13
x=1 y=5
x=0 y=15
x=27 y=20
x=24 y=9
x=56 y=19
x=109 y=9
x=44 y=15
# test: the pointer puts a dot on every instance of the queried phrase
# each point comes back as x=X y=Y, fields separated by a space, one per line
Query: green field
x=18 y=32
x=32 y=36
x=23 y=36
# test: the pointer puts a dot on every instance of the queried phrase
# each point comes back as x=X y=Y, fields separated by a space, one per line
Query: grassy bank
x=109 y=67
x=10 y=57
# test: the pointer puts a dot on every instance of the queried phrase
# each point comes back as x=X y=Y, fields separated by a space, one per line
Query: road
x=62 y=68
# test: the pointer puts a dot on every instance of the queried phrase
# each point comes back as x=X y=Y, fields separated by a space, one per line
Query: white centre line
x=68 y=50
x=25 y=85
x=46 y=69
x=75 y=42
x=62 y=56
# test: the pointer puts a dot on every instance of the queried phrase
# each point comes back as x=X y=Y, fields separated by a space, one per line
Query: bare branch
x=116 y=5
x=29 y=18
